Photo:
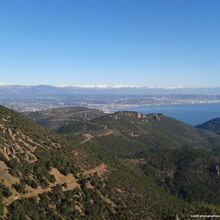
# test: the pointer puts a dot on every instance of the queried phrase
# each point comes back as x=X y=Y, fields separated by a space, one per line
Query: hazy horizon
x=111 y=86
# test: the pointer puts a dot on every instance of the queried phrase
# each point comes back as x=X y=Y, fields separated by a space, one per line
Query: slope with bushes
x=125 y=165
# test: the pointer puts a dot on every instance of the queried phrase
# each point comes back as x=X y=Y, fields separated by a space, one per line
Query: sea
x=193 y=114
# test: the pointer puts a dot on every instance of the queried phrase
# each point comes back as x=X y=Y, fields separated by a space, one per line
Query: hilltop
x=212 y=125
x=59 y=117
x=151 y=130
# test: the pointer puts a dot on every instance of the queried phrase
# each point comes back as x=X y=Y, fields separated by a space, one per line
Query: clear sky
x=144 y=42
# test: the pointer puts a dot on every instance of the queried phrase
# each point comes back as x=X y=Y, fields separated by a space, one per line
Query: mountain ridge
x=212 y=125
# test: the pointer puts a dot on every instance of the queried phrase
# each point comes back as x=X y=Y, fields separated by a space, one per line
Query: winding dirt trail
x=99 y=170
x=88 y=137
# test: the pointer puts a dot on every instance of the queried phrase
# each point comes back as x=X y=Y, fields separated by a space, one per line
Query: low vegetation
x=135 y=166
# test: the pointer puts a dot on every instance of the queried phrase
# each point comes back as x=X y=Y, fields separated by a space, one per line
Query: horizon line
x=108 y=86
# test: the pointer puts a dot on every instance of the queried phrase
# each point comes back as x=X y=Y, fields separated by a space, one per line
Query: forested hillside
x=125 y=165
x=212 y=125
x=58 y=117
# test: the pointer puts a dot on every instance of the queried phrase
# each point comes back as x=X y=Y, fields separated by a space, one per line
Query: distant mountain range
x=116 y=89
x=106 y=98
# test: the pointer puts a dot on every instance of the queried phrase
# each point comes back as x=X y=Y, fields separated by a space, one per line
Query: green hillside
x=58 y=117
x=118 y=166
x=212 y=125
x=42 y=176
x=176 y=157
x=143 y=131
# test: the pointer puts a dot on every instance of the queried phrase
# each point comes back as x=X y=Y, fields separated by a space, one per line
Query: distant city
x=103 y=97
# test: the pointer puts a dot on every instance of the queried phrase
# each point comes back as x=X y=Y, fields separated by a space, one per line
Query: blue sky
x=143 y=42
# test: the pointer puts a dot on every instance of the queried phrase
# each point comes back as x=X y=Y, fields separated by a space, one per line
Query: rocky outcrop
x=136 y=116
x=128 y=114
x=157 y=117
x=217 y=169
